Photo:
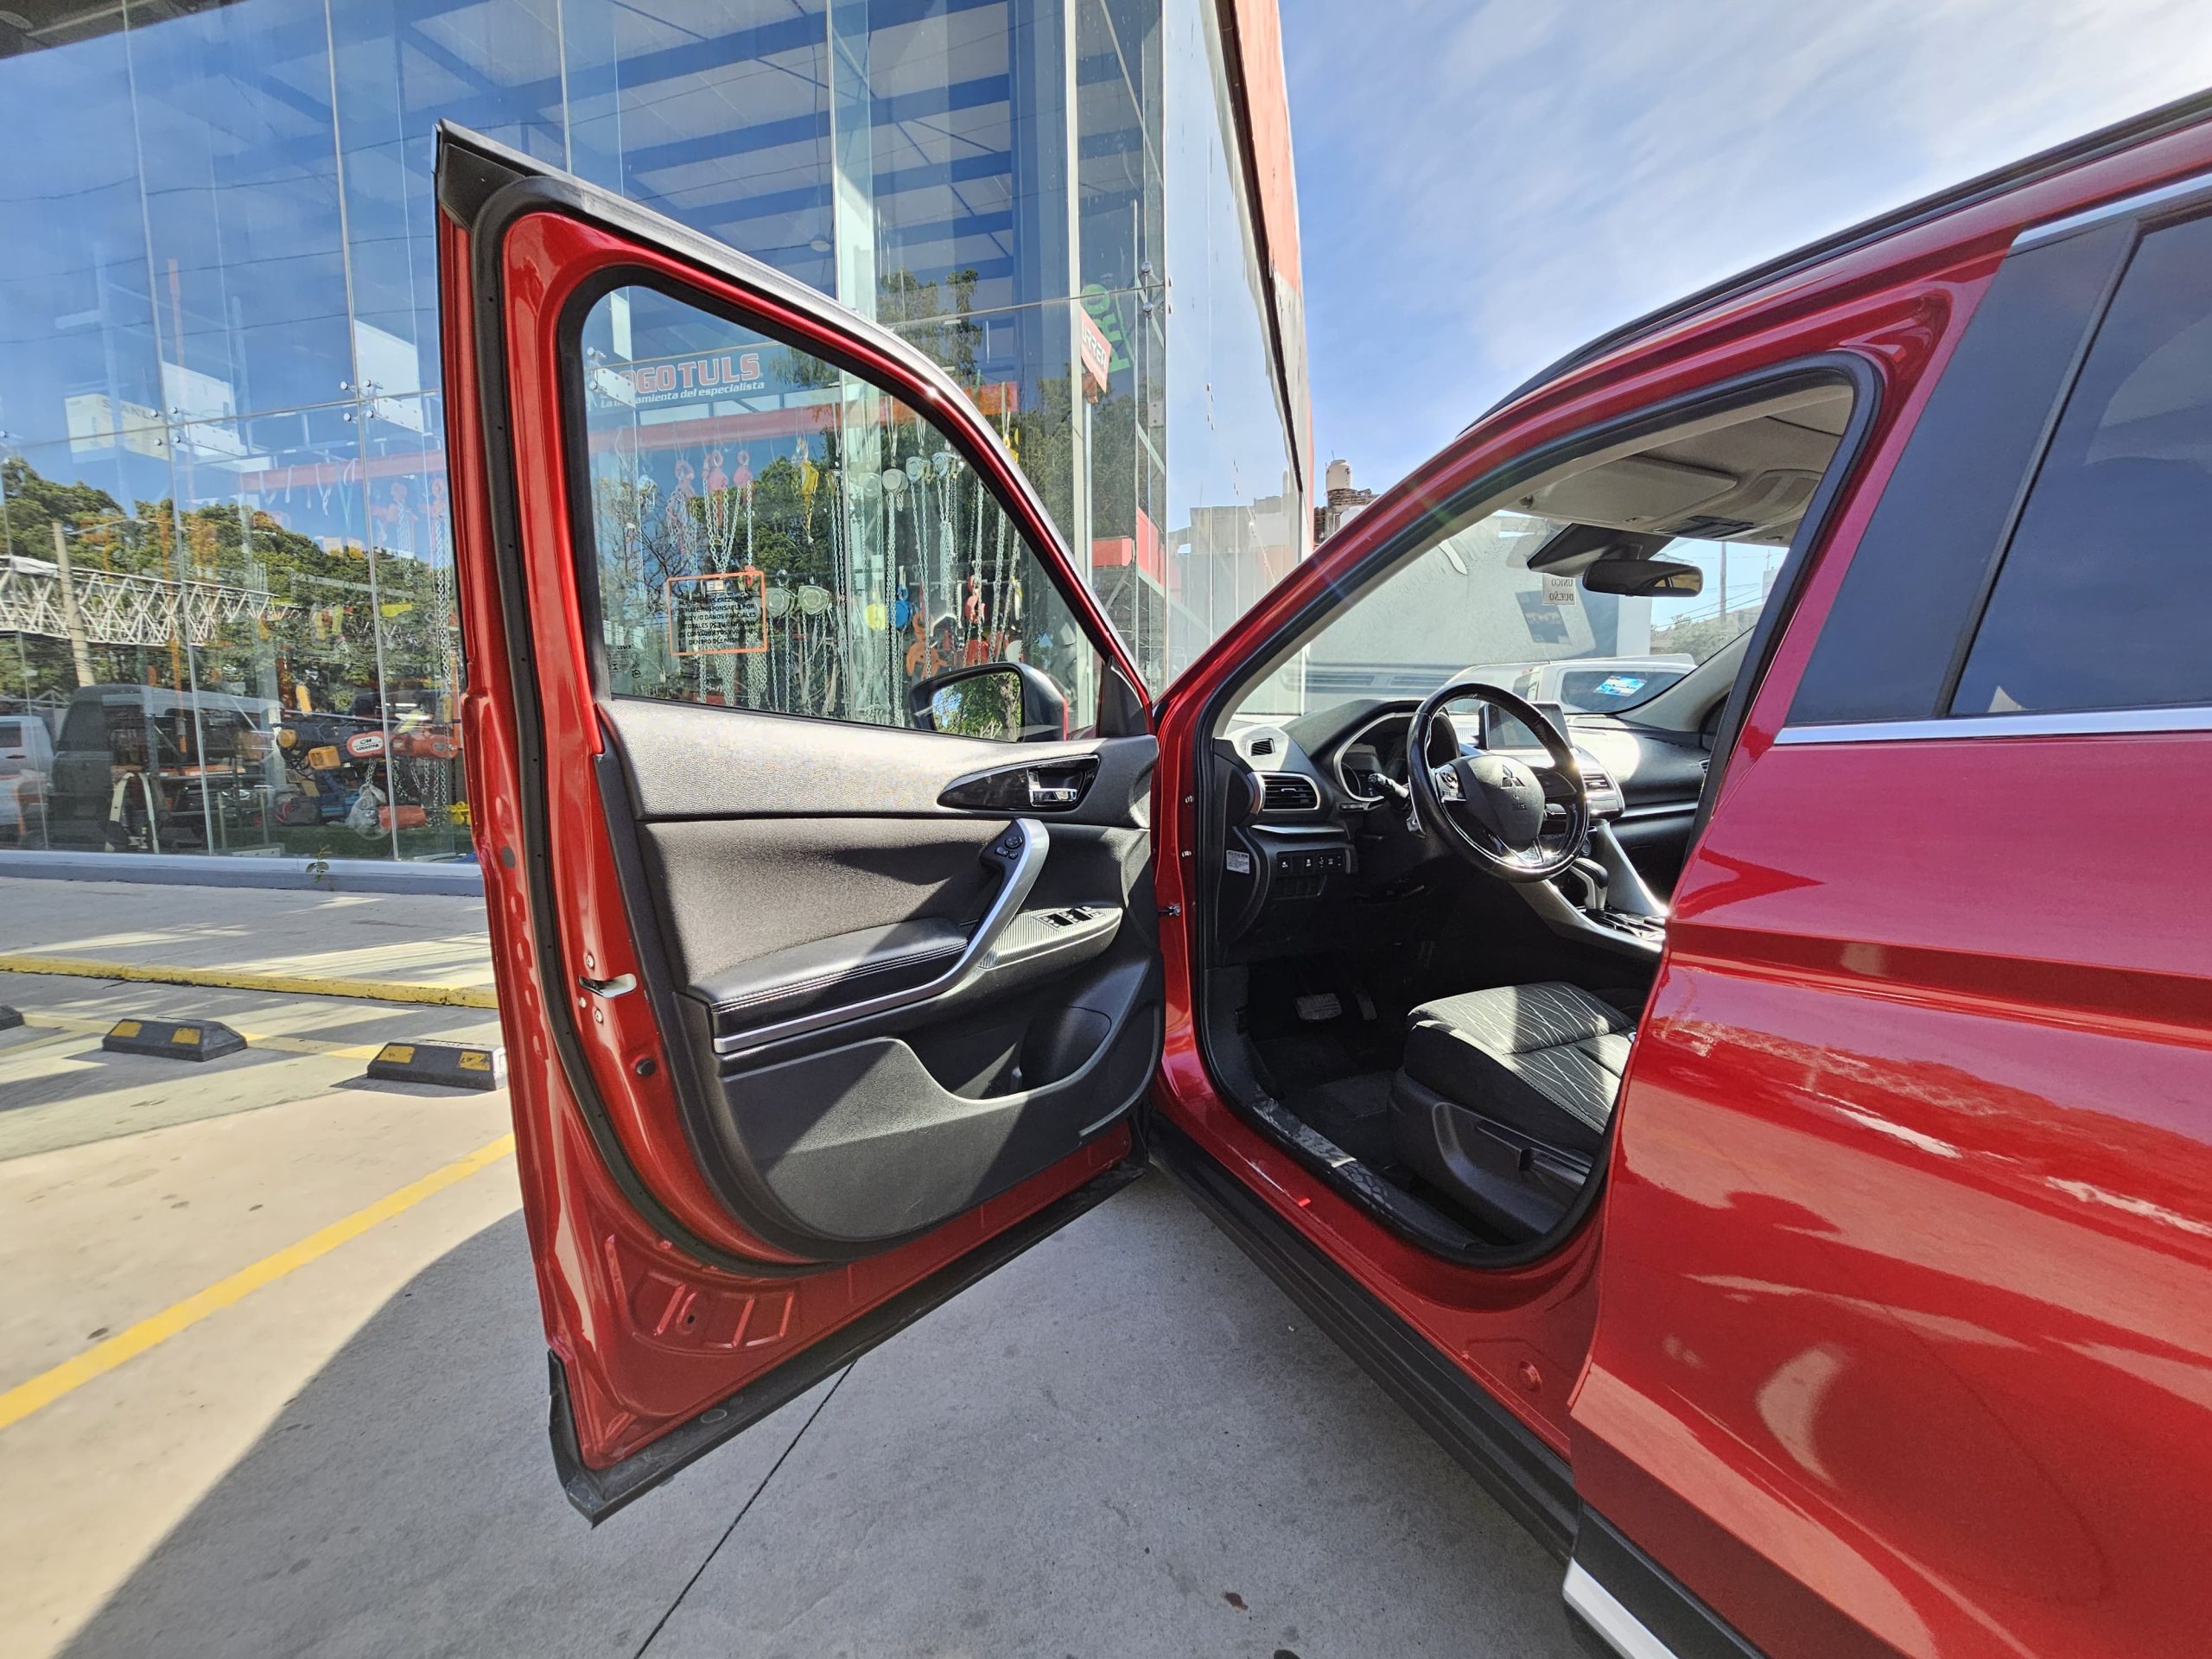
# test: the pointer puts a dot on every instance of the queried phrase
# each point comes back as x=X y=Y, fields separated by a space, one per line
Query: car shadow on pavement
x=1127 y=1442
x=91 y=1070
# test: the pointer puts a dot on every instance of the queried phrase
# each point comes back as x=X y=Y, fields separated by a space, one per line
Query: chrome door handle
x=1044 y=794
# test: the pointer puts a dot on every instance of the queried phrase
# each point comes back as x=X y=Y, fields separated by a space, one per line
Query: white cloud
x=1483 y=188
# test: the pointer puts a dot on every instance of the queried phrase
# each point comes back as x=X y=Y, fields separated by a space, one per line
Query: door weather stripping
x=1018 y=854
x=1601 y=1611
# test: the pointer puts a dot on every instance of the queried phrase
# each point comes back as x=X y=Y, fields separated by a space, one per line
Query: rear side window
x=2104 y=599
x=1888 y=645
x=773 y=532
x=11 y=735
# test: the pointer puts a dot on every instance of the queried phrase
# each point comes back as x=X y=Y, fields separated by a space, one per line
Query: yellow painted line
x=64 y=1024
x=46 y=1386
x=375 y=990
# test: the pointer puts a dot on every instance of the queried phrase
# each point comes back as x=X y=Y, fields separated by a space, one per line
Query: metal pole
x=71 y=618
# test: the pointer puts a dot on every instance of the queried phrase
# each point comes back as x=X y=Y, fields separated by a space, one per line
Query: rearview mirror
x=1006 y=702
x=1644 y=578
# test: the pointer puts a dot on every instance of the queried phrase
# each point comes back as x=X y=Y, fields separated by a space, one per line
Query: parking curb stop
x=450 y=1065
x=173 y=1039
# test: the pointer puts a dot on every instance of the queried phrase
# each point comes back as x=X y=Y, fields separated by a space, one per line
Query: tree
x=333 y=609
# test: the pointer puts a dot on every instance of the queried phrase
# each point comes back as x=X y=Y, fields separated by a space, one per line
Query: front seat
x=1504 y=1097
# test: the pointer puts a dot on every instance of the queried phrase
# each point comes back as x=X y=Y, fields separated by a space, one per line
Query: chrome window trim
x=2083 y=723
x=1597 y=1607
x=2175 y=194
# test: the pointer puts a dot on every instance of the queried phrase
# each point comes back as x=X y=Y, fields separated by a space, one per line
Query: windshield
x=1469 y=606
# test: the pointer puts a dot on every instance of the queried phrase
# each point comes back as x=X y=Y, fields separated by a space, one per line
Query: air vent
x=1288 y=792
x=1263 y=745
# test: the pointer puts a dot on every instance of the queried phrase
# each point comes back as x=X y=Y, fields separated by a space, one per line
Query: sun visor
x=1631 y=493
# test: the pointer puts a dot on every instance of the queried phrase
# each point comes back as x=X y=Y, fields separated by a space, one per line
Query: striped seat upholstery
x=1545 y=1059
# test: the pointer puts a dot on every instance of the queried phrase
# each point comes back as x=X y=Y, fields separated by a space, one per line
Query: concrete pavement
x=395 y=939
x=1125 y=1442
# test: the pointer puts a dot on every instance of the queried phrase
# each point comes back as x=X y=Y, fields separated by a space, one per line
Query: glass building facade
x=227 y=590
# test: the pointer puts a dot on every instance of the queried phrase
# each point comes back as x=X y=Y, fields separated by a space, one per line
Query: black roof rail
x=2167 y=118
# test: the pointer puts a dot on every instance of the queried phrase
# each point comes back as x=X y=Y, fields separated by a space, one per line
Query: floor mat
x=1320 y=1055
x=1352 y=1111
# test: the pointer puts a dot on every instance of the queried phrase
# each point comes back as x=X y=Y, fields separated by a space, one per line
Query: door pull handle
x=1044 y=794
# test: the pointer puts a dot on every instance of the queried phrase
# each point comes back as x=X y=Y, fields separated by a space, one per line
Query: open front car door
x=812 y=794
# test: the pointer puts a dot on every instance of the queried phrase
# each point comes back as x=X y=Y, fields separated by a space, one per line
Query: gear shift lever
x=1593 y=878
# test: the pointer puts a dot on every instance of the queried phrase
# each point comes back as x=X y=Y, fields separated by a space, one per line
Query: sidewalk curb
x=374 y=990
x=460 y=879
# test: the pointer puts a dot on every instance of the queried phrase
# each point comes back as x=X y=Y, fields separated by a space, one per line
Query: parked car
x=156 y=770
x=1599 y=685
x=26 y=740
x=1814 y=1252
x=26 y=762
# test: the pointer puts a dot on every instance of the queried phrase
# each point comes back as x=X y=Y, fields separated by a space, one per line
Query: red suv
x=1760 y=1127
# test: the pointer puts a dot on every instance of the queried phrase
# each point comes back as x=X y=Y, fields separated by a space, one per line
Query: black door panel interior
x=824 y=975
x=876 y=1139
x=734 y=891
x=688 y=761
x=880 y=1032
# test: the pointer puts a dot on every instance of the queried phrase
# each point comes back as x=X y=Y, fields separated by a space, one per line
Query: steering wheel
x=1489 y=809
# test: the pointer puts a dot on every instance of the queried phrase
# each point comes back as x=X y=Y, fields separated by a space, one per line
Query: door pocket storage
x=866 y=1141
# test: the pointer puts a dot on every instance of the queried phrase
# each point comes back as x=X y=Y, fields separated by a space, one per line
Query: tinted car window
x=2104 y=599
x=1888 y=644
x=85 y=726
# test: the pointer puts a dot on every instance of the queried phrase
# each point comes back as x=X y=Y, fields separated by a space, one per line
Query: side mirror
x=1644 y=578
x=1007 y=702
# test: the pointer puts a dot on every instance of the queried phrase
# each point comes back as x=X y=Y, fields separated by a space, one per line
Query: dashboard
x=1344 y=757
x=1327 y=830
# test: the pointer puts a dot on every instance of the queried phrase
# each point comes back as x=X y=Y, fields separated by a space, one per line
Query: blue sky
x=1483 y=186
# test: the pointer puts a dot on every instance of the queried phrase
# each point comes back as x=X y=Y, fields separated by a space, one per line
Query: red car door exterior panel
x=1904 y=1344
x=1911 y=1220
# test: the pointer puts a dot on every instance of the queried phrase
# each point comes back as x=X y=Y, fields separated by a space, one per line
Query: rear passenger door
x=1904 y=1345
x=813 y=796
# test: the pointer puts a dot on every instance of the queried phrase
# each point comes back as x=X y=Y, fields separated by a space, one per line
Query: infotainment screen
x=1501 y=731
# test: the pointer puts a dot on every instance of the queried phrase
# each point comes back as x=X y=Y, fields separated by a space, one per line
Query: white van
x=26 y=764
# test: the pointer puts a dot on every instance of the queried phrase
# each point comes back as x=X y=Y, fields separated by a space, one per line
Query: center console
x=1600 y=899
